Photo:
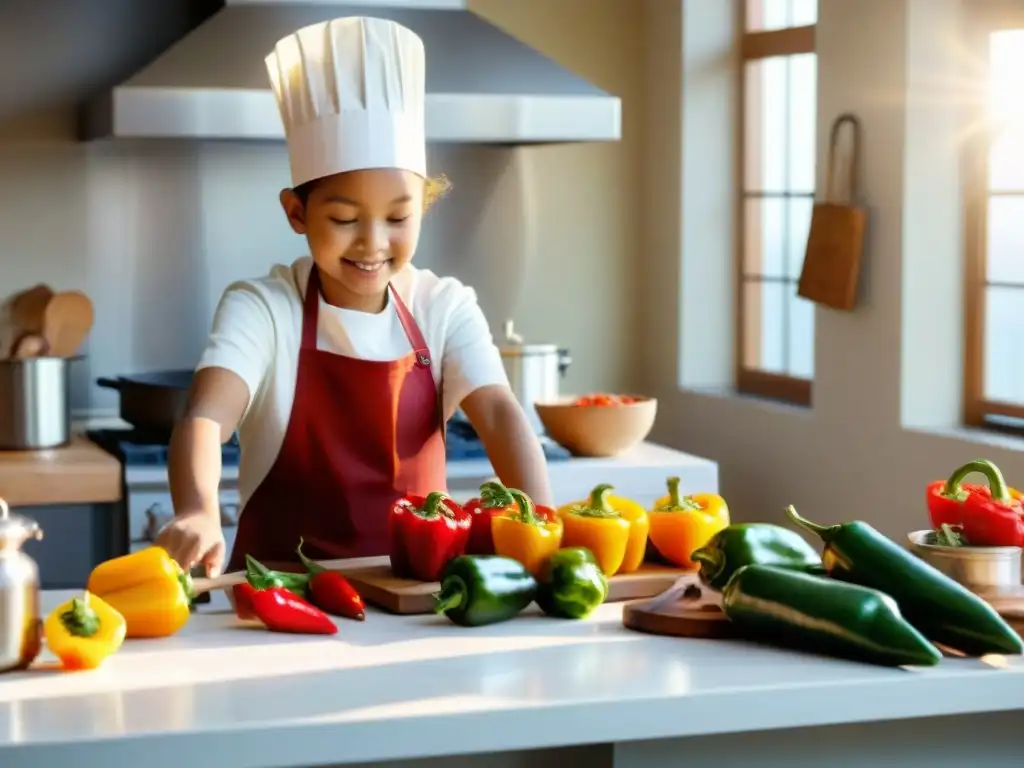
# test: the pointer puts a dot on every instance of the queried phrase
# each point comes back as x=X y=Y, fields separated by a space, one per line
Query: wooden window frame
x=758 y=45
x=979 y=411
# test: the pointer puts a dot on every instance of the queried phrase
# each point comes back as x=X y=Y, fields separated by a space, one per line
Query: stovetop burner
x=142 y=448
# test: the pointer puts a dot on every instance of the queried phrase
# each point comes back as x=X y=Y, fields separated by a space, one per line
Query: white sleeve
x=243 y=338
x=471 y=359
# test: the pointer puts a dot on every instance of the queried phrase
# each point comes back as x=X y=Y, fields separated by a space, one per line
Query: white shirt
x=257 y=332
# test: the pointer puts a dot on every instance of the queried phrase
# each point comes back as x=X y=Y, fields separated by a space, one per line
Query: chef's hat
x=351 y=95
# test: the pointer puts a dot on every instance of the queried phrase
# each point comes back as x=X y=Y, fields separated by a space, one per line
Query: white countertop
x=219 y=694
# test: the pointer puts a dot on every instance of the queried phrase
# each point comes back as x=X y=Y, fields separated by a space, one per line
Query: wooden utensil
x=67 y=321
x=29 y=307
x=686 y=609
x=30 y=345
x=831 y=268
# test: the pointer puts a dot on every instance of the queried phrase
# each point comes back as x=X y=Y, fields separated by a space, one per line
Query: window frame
x=754 y=46
x=978 y=410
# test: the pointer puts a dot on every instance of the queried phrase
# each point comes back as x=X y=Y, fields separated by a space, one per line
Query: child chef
x=332 y=368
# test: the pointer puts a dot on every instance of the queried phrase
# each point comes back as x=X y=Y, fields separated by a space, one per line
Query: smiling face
x=362 y=228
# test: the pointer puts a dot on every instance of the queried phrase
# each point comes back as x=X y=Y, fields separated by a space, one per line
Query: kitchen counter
x=394 y=688
x=79 y=473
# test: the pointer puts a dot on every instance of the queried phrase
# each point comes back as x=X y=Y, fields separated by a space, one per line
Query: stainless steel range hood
x=483 y=86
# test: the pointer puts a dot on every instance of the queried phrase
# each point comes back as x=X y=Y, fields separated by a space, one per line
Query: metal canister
x=35 y=403
x=20 y=620
x=534 y=372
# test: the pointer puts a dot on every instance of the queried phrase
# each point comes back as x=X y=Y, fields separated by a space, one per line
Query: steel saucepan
x=152 y=401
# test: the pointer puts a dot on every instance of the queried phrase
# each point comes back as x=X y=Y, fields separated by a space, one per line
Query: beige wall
x=886 y=390
x=155 y=230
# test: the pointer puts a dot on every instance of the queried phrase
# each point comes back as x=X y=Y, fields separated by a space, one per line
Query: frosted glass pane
x=801 y=335
x=803 y=118
x=766 y=124
x=764 y=237
x=804 y=13
x=799 y=227
x=1005 y=257
x=768 y=14
x=1004 y=344
x=764 y=304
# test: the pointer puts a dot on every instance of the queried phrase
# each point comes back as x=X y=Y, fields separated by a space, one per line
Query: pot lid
x=516 y=345
x=15 y=530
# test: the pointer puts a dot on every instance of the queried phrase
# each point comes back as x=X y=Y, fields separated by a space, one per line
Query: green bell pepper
x=819 y=615
x=571 y=584
x=943 y=610
x=754 y=544
x=483 y=589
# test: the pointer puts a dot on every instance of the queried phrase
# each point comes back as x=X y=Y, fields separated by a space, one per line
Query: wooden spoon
x=30 y=345
x=228 y=580
x=28 y=308
x=67 y=321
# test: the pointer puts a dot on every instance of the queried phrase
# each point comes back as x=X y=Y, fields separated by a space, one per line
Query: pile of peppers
x=864 y=598
x=298 y=603
x=989 y=514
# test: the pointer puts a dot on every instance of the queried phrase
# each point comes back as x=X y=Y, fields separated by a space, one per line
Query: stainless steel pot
x=35 y=403
x=20 y=620
x=534 y=371
x=974 y=567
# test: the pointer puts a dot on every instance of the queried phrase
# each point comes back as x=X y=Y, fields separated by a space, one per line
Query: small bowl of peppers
x=598 y=424
x=977 y=534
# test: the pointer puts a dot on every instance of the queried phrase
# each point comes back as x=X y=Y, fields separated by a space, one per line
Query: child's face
x=362 y=228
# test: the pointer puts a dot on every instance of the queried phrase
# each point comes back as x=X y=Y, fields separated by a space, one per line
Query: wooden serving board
x=381 y=588
x=686 y=609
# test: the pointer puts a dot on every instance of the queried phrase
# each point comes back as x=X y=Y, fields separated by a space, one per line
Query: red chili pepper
x=284 y=611
x=991 y=518
x=243 y=600
x=426 y=532
x=332 y=592
x=494 y=499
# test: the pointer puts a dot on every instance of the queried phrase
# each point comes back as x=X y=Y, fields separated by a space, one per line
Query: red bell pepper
x=988 y=515
x=425 y=533
x=331 y=592
x=284 y=611
x=494 y=499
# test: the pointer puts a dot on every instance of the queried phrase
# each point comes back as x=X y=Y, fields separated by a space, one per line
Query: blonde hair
x=435 y=188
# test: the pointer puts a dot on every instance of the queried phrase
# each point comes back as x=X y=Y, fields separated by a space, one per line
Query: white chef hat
x=351 y=94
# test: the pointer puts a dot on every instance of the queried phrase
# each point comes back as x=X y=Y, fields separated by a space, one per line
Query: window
x=994 y=340
x=778 y=116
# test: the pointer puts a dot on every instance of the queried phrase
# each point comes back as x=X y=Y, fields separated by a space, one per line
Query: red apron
x=360 y=435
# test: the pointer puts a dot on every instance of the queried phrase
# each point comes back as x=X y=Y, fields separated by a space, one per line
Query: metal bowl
x=974 y=567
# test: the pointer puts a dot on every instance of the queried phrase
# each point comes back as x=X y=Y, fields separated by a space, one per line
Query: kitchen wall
x=887 y=386
x=154 y=230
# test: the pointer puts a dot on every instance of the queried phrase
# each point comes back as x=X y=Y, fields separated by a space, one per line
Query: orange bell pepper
x=639 y=528
x=596 y=525
x=524 y=536
x=83 y=632
x=681 y=525
x=148 y=588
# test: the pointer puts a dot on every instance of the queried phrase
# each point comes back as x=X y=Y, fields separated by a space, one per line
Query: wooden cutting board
x=686 y=609
x=378 y=586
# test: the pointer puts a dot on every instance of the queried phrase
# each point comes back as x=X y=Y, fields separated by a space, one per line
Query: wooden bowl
x=597 y=430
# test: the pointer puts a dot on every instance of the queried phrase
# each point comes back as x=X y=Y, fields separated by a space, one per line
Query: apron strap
x=412 y=330
x=311 y=316
x=311 y=309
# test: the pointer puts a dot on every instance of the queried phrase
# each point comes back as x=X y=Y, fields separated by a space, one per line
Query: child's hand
x=195 y=537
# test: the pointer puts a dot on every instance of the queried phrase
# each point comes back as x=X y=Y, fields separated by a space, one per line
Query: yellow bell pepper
x=598 y=526
x=148 y=588
x=639 y=528
x=83 y=632
x=680 y=525
x=521 y=535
